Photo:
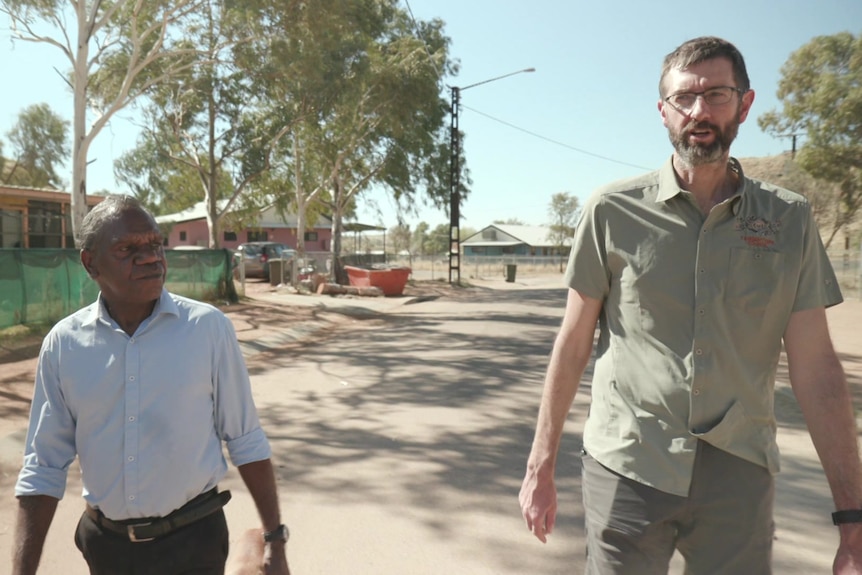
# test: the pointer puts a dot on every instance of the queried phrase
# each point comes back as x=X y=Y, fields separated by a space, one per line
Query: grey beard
x=699 y=155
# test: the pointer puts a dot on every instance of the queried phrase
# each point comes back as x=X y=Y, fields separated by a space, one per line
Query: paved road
x=401 y=444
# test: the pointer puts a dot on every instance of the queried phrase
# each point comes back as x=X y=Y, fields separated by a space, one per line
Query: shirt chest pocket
x=754 y=278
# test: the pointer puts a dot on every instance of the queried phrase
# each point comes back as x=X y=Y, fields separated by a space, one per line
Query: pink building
x=189 y=228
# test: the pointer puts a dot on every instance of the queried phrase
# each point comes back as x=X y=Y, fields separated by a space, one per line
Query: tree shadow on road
x=434 y=412
x=443 y=407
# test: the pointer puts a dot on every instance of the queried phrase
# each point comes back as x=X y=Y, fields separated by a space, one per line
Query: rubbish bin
x=510 y=272
x=276 y=271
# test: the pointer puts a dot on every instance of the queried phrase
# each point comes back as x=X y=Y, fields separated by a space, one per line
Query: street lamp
x=455 y=178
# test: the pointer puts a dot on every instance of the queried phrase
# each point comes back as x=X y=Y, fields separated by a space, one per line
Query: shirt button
x=131 y=378
x=131 y=497
x=131 y=418
x=701 y=311
x=702 y=270
x=698 y=351
x=696 y=392
x=131 y=458
x=132 y=340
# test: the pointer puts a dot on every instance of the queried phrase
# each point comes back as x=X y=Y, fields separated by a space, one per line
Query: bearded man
x=696 y=276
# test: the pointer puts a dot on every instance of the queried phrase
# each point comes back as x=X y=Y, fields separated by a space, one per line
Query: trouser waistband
x=147 y=529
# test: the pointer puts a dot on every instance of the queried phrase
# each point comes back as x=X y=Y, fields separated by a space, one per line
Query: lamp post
x=455 y=177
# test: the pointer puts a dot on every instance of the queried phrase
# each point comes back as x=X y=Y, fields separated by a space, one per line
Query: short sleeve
x=817 y=284
x=587 y=271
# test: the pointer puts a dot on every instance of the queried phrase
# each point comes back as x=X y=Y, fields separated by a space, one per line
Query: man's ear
x=747 y=100
x=89 y=265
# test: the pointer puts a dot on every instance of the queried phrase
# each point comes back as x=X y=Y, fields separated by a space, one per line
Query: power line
x=556 y=142
x=535 y=135
x=424 y=42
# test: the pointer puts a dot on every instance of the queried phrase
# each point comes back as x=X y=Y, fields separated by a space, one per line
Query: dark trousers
x=197 y=549
x=724 y=526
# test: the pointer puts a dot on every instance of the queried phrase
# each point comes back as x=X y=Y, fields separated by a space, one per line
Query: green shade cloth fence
x=45 y=285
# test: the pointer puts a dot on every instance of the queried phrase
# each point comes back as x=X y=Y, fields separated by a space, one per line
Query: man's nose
x=699 y=109
x=150 y=253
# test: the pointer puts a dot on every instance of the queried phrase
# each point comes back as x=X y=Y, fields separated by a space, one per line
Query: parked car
x=255 y=257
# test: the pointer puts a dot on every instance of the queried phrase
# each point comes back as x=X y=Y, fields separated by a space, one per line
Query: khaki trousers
x=724 y=526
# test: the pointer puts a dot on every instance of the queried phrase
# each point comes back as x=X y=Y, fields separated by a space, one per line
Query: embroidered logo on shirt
x=758 y=232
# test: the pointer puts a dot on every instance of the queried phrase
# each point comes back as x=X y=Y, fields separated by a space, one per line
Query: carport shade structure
x=358 y=228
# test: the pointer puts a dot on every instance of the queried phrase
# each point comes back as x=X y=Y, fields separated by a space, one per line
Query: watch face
x=279 y=534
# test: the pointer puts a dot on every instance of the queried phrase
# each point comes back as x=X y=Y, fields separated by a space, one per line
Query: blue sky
x=586 y=116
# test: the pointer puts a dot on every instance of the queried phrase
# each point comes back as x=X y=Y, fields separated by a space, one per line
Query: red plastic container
x=390 y=280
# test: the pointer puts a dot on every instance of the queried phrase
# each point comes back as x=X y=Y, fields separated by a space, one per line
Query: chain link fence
x=846 y=263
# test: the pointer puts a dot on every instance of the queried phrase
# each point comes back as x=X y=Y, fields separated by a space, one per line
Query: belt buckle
x=133 y=537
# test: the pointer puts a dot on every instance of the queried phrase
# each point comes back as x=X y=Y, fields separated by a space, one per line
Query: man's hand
x=848 y=560
x=538 y=499
x=275 y=559
x=251 y=556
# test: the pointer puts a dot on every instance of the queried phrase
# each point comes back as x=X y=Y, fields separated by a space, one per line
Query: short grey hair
x=106 y=211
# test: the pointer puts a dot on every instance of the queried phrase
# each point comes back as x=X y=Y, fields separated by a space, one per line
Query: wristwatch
x=280 y=533
x=847 y=516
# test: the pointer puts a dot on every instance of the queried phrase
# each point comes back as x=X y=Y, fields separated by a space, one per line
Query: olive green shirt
x=694 y=310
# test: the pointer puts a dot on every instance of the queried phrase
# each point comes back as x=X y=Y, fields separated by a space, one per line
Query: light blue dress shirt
x=146 y=414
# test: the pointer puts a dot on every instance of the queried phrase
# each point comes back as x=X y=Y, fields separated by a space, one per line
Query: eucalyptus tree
x=563 y=210
x=40 y=140
x=821 y=95
x=384 y=125
x=207 y=124
x=155 y=179
x=399 y=238
x=116 y=51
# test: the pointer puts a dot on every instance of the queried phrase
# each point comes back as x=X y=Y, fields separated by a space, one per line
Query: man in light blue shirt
x=144 y=387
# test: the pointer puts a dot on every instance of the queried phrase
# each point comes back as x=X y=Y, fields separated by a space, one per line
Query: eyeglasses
x=685 y=101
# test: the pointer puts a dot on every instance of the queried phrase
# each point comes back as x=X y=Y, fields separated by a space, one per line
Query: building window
x=70 y=238
x=230 y=236
x=11 y=229
x=490 y=235
x=182 y=236
x=258 y=236
x=45 y=224
x=311 y=236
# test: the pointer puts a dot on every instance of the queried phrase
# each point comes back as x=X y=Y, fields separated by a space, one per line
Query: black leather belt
x=147 y=529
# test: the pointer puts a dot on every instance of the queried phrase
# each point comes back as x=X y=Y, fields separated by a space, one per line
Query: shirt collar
x=165 y=305
x=668 y=186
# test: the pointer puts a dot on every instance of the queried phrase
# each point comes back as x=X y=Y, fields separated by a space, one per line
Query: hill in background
x=783 y=171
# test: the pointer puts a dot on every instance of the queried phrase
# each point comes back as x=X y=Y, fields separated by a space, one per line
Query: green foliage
x=437 y=241
x=563 y=211
x=40 y=139
x=418 y=239
x=117 y=51
x=400 y=238
x=821 y=95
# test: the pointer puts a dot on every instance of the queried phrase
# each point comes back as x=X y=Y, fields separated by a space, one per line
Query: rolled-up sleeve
x=237 y=421
x=50 y=446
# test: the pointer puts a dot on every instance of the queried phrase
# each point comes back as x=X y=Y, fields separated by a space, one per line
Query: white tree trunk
x=80 y=137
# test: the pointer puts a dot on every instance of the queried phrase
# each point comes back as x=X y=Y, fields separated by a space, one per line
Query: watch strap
x=280 y=533
x=847 y=516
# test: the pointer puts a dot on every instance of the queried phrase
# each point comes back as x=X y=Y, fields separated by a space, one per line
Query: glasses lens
x=718 y=96
x=713 y=97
